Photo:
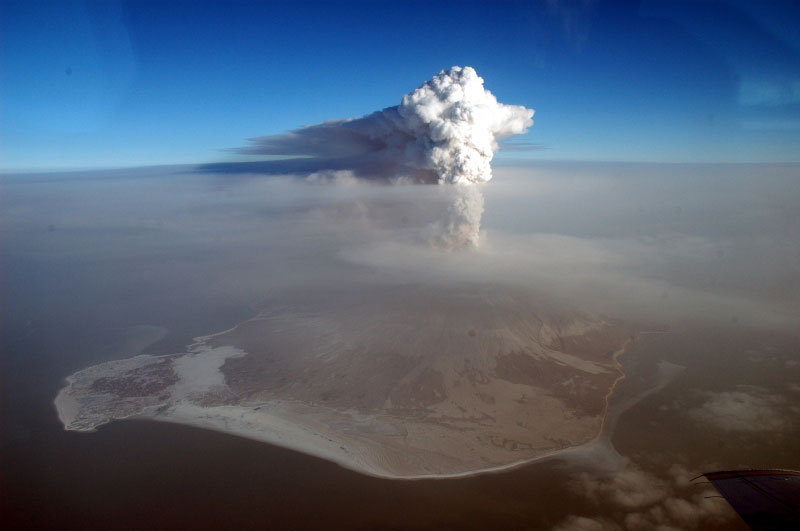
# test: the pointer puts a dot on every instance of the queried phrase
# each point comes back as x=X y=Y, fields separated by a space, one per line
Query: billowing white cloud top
x=456 y=122
x=444 y=132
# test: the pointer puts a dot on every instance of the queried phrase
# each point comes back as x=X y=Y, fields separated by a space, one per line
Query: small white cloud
x=748 y=409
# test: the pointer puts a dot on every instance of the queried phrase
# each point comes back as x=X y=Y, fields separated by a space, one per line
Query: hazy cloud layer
x=665 y=243
x=668 y=243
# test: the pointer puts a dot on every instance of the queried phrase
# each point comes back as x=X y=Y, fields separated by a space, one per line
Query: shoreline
x=281 y=428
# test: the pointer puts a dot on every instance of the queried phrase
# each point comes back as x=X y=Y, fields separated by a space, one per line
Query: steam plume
x=444 y=132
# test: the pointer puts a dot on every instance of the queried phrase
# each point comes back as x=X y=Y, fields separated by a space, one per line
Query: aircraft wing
x=765 y=499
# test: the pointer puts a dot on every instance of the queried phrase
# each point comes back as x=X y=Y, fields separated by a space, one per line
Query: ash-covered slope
x=394 y=381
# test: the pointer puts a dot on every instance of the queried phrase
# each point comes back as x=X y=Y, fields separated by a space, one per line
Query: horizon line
x=505 y=162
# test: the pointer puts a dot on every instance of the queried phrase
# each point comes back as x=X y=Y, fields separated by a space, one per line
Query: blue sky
x=110 y=84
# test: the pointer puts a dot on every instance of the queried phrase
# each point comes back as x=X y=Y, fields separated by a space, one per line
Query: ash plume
x=444 y=132
x=461 y=224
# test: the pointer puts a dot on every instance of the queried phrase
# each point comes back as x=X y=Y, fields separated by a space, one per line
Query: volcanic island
x=391 y=381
